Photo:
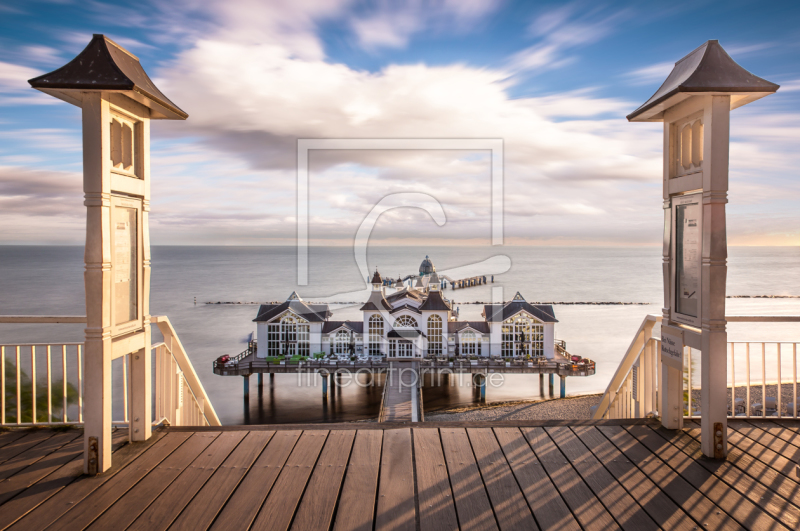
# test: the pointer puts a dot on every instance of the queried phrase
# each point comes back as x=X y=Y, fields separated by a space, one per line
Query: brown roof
x=709 y=68
x=457 y=326
x=376 y=278
x=435 y=302
x=330 y=326
x=105 y=65
x=501 y=312
x=376 y=302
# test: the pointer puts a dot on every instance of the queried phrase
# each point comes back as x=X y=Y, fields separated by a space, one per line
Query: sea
x=586 y=283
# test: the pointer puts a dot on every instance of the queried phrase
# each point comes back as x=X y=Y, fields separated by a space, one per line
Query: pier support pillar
x=272 y=377
x=563 y=386
x=552 y=383
x=483 y=388
x=246 y=378
x=260 y=380
x=324 y=386
x=541 y=384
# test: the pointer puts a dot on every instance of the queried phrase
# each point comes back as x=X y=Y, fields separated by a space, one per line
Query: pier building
x=410 y=322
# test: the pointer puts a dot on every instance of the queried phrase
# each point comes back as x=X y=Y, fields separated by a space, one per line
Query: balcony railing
x=42 y=384
x=634 y=390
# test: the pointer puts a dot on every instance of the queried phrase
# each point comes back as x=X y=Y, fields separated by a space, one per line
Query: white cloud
x=562 y=29
x=648 y=75
x=14 y=87
x=392 y=24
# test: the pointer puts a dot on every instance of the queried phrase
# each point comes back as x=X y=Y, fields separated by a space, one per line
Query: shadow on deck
x=545 y=474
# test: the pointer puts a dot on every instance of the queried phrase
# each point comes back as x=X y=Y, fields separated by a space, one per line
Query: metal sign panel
x=687 y=247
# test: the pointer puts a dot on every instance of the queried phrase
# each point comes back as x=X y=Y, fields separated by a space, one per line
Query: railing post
x=647 y=377
x=141 y=406
x=671 y=389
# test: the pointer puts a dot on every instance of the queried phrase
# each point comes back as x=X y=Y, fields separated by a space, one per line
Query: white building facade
x=412 y=322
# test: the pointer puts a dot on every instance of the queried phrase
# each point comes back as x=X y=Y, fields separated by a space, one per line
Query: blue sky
x=553 y=79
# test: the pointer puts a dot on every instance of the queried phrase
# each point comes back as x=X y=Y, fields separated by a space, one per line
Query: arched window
x=405 y=322
x=523 y=335
x=289 y=336
x=375 y=334
x=434 y=335
x=470 y=343
x=340 y=342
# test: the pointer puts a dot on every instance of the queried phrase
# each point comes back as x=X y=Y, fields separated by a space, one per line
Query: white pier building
x=410 y=322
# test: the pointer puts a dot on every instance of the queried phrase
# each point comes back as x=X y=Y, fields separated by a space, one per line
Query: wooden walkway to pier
x=601 y=475
x=401 y=399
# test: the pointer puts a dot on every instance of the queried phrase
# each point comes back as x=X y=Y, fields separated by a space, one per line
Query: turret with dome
x=426 y=267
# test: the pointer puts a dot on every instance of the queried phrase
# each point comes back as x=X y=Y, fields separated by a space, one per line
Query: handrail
x=763 y=318
x=634 y=350
x=185 y=365
x=624 y=390
x=42 y=319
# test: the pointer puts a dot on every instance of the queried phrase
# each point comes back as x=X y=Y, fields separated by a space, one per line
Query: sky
x=553 y=80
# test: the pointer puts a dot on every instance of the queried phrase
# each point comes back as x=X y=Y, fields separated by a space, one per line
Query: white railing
x=20 y=382
x=42 y=384
x=634 y=390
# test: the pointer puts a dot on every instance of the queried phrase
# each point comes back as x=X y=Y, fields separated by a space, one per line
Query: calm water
x=49 y=280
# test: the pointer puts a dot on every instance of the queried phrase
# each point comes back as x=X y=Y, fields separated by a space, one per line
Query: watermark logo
x=494 y=265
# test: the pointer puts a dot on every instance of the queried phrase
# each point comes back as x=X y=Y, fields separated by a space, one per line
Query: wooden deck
x=505 y=475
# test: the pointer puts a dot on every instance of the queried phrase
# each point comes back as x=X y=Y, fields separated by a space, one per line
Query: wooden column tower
x=695 y=103
x=117 y=100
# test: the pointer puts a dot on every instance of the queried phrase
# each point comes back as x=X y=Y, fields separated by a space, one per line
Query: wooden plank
x=775 y=429
x=51 y=510
x=130 y=505
x=207 y=503
x=41 y=468
x=509 y=505
x=31 y=496
x=279 y=507
x=658 y=505
x=396 y=504
x=727 y=499
x=765 y=475
x=748 y=482
x=616 y=499
x=27 y=458
x=766 y=455
x=31 y=439
x=436 y=508
x=8 y=437
x=705 y=513
x=543 y=498
x=472 y=502
x=357 y=503
x=771 y=438
x=585 y=506
x=247 y=499
x=427 y=424
x=319 y=500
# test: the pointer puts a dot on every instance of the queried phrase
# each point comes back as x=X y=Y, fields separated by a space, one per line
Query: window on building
x=290 y=336
x=340 y=342
x=405 y=322
x=375 y=335
x=470 y=343
x=434 y=335
x=522 y=335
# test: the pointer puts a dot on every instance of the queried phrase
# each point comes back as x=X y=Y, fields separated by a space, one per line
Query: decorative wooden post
x=118 y=100
x=695 y=103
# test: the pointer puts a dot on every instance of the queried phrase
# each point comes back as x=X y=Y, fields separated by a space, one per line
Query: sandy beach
x=554 y=408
